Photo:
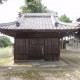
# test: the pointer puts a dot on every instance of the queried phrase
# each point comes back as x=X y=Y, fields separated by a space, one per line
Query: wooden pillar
x=62 y=43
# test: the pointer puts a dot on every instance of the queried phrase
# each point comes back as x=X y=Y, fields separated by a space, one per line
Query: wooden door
x=36 y=49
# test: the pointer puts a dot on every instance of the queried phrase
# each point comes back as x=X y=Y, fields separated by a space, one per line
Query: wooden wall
x=36 y=48
x=52 y=50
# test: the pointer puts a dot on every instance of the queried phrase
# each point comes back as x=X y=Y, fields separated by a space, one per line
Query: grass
x=29 y=75
x=6 y=55
x=37 y=74
x=5 y=60
x=41 y=75
x=5 y=52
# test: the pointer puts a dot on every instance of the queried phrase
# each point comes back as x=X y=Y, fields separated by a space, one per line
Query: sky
x=9 y=10
x=68 y=7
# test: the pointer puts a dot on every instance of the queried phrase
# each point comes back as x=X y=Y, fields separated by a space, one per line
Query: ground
x=68 y=68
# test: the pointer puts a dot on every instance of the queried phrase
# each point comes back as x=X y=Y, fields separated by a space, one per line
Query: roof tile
x=38 y=21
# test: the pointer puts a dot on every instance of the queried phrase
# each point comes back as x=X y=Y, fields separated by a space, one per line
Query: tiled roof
x=37 y=21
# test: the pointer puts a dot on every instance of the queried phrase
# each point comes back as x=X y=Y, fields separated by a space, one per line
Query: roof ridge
x=37 y=14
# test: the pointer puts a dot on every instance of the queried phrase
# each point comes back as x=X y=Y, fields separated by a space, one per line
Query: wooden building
x=37 y=36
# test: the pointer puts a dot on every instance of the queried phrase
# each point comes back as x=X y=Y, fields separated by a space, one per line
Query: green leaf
x=34 y=6
x=66 y=19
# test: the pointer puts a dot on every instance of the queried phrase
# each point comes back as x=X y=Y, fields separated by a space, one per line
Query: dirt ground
x=68 y=68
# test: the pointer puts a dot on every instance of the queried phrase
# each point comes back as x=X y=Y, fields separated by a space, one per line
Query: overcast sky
x=68 y=7
x=9 y=10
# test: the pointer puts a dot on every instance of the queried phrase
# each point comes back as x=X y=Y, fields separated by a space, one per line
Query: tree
x=66 y=19
x=2 y=1
x=33 y=6
x=5 y=41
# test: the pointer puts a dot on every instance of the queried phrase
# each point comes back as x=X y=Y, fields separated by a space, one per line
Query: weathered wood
x=52 y=51
x=37 y=49
x=37 y=35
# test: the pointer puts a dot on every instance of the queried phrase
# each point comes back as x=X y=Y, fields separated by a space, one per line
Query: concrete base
x=40 y=63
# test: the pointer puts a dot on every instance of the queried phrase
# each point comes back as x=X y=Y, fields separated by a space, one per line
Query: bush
x=5 y=41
